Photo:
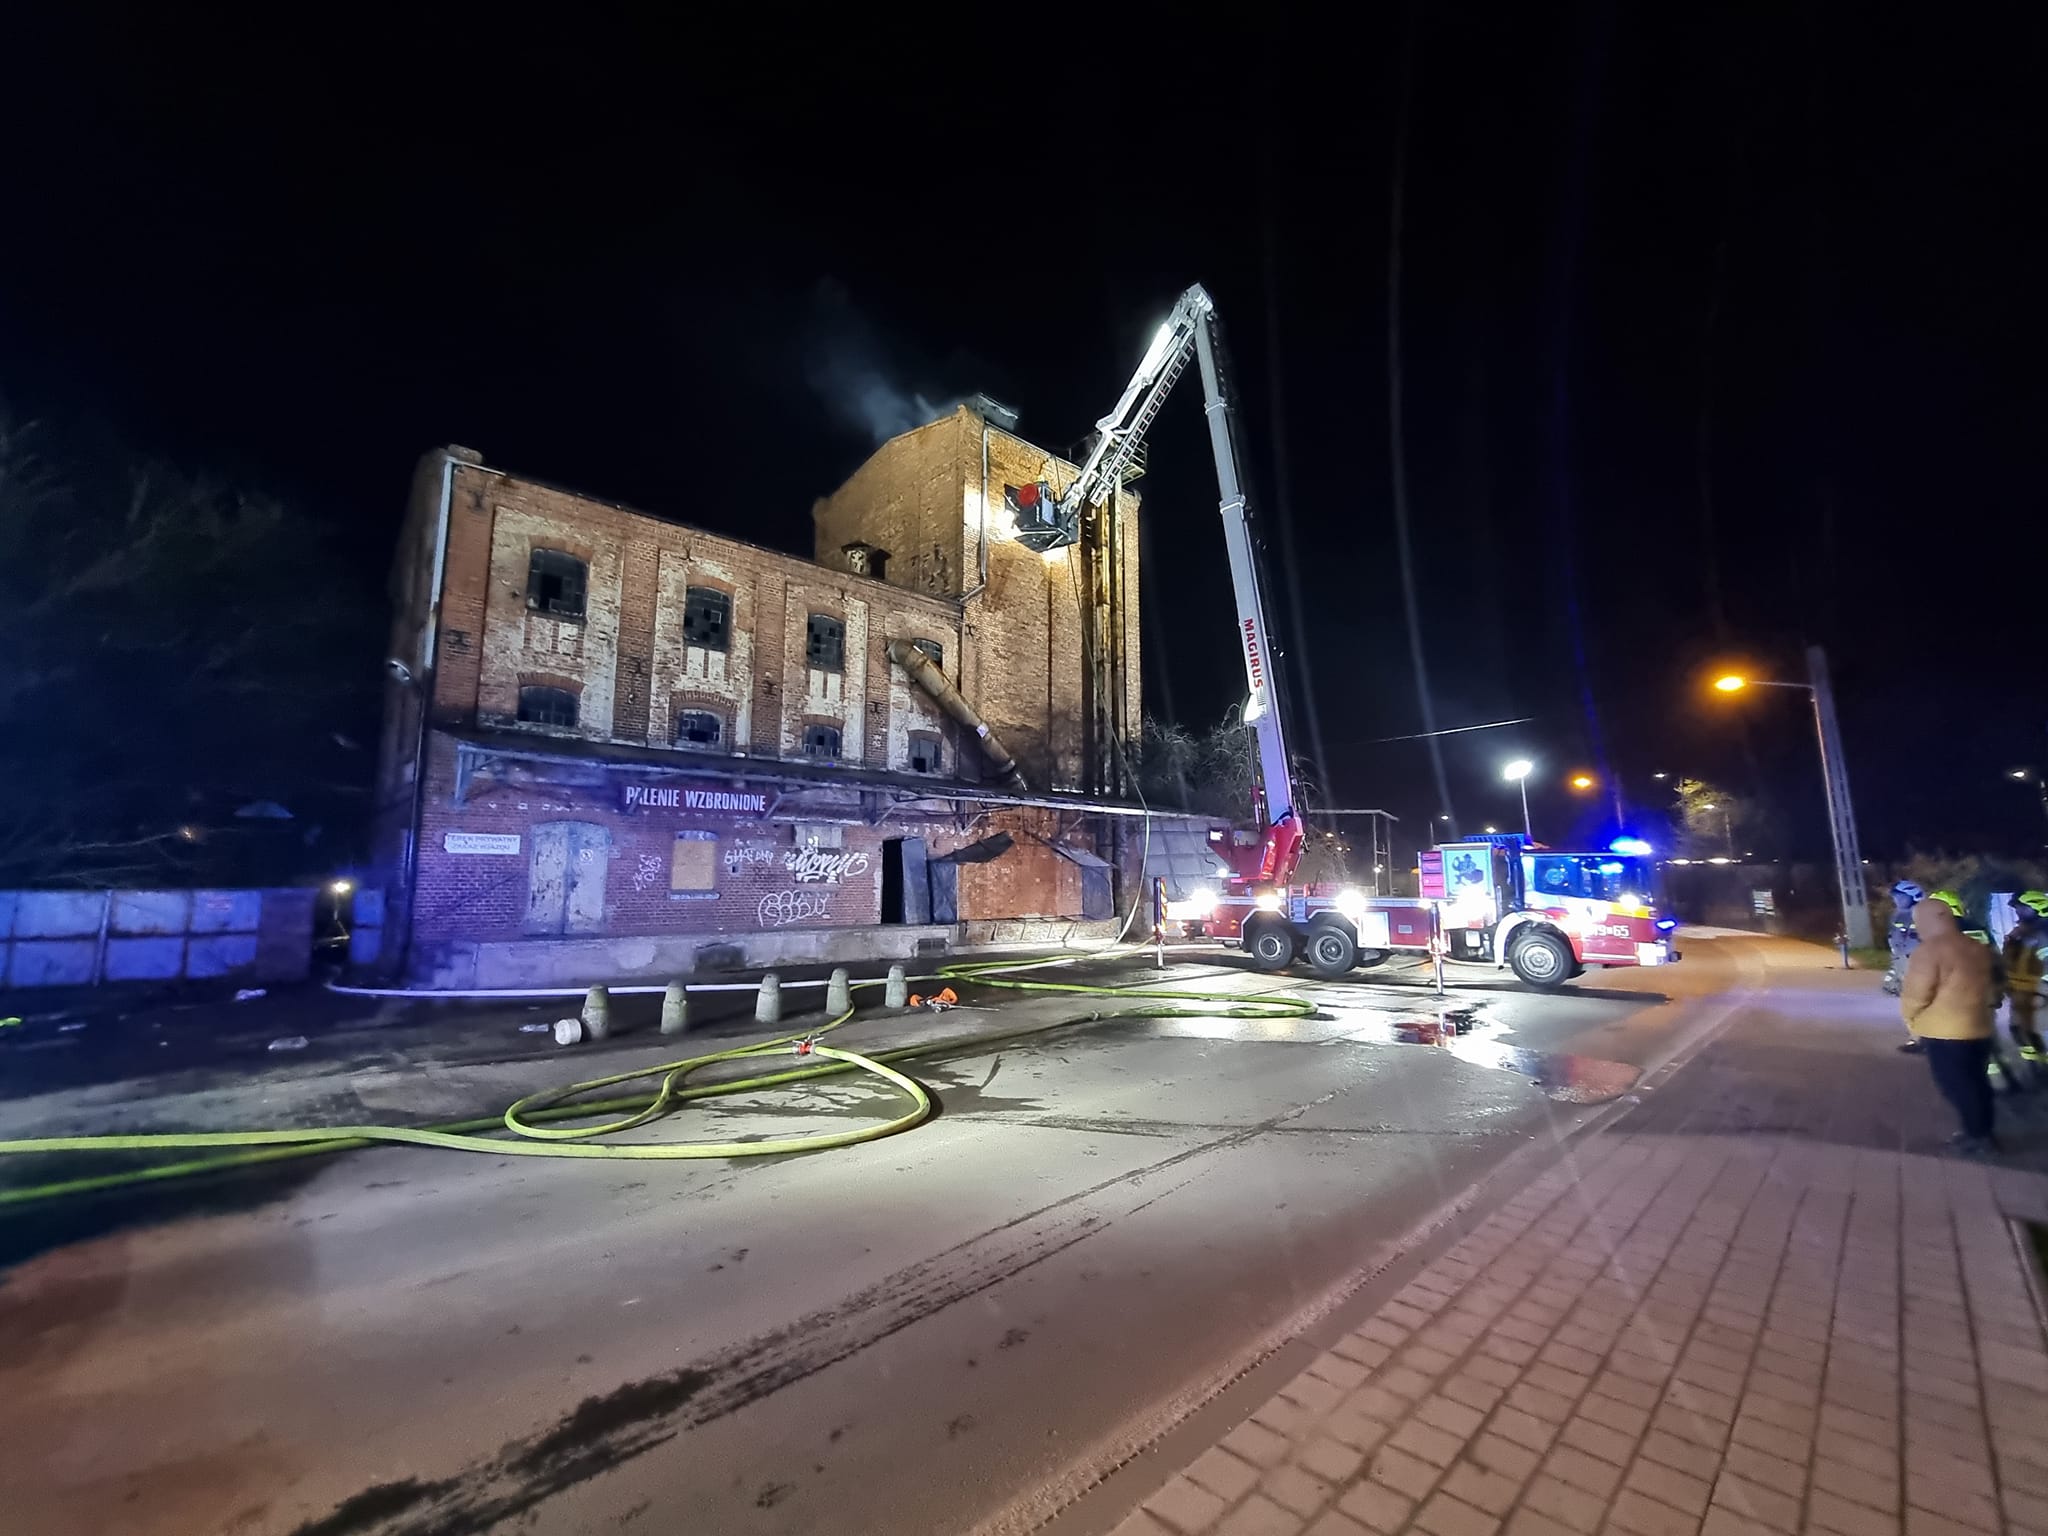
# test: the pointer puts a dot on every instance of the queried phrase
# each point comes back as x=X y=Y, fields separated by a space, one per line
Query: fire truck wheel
x=1541 y=959
x=1331 y=951
x=1271 y=947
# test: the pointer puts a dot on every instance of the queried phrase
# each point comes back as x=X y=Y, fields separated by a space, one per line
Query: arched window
x=555 y=584
x=821 y=741
x=540 y=704
x=699 y=728
x=932 y=651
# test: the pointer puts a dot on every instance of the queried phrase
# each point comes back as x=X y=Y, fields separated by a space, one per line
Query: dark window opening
x=821 y=741
x=924 y=752
x=555 y=584
x=932 y=651
x=698 y=728
x=547 y=706
x=825 y=643
x=707 y=618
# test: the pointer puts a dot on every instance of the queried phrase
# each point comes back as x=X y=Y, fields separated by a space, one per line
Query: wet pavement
x=1101 y=1225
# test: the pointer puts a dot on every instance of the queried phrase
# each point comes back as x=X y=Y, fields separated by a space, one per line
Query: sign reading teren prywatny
x=480 y=842
x=675 y=797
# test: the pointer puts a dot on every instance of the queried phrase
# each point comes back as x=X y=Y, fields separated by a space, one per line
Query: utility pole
x=1841 y=814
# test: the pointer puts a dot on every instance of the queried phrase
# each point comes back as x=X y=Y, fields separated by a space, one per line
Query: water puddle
x=1467 y=1032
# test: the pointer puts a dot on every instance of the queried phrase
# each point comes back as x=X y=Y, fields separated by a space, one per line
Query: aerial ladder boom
x=1190 y=335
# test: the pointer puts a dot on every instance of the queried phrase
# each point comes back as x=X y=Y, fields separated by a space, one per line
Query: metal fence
x=78 y=938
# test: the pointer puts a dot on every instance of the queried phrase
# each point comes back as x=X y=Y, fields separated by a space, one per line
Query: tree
x=1711 y=820
x=178 y=649
x=1214 y=773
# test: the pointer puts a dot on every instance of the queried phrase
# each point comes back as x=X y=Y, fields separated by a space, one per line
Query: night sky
x=1723 y=330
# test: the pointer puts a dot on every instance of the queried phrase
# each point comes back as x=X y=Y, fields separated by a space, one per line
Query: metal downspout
x=933 y=682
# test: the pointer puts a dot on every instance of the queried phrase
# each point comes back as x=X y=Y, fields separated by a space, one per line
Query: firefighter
x=2026 y=971
x=2000 y=1067
x=1947 y=1001
x=1901 y=938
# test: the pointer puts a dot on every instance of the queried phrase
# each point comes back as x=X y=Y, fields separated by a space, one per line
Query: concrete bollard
x=597 y=1013
x=839 y=993
x=768 y=1005
x=897 y=995
x=675 y=1009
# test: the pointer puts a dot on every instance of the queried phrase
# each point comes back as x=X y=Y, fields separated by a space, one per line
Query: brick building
x=616 y=745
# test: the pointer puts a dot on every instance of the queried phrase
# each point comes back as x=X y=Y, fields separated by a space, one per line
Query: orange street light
x=1582 y=781
x=1731 y=683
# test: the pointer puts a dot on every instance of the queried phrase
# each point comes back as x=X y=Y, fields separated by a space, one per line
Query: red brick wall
x=483 y=897
x=919 y=497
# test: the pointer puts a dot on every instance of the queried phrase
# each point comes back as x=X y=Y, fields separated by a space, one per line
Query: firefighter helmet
x=1948 y=899
x=2035 y=901
x=1910 y=890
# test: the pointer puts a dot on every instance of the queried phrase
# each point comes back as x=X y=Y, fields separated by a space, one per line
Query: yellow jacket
x=1949 y=992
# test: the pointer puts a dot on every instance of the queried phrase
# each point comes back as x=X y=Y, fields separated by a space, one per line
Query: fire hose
x=532 y=1126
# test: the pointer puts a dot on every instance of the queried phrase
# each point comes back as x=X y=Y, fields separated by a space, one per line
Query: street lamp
x=1517 y=773
x=1582 y=781
x=1834 y=773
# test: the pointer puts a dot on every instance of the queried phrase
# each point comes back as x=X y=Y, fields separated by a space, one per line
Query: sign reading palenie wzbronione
x=674 y=797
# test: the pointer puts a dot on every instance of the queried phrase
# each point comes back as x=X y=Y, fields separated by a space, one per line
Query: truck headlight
x=1267 y=901
x=1202 y=901
x=1350 y=903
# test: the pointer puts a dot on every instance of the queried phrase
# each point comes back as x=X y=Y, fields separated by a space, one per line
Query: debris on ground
x=938 y=1002
x=568 y=1031
x=536 y=1029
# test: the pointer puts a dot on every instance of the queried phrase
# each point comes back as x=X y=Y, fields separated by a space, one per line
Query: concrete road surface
x=964 y=1324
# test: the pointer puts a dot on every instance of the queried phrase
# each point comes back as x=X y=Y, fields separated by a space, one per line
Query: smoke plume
x=860 y=379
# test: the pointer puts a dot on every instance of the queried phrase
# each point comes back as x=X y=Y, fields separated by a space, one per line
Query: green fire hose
x=534 y=1122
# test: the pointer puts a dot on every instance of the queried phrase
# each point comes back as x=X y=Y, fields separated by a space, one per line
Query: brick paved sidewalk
x=1740 y=1336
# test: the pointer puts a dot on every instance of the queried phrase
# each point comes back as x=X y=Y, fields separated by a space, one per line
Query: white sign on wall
x=480 y=842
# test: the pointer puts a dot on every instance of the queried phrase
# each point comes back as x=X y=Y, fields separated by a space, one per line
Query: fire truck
x=1542 y=913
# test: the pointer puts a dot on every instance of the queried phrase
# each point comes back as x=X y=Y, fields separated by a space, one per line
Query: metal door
x=547 y=878
x=566 y=876
x=590 y=862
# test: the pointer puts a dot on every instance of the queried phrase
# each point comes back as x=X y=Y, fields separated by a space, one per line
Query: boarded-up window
x=693 y=866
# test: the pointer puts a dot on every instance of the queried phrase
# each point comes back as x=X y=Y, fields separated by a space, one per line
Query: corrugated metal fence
x=75 y=938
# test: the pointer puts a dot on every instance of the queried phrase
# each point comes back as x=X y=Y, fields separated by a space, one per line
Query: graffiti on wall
x=739 y=856
x=780 y=909
x=647 y=875
x=823 y=865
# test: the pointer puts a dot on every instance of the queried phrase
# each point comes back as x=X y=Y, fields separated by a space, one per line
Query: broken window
x=541 y=705
x=825 y=643
x=932 y=651
x=699 y=728
x=707 y=618
x=555 y=584
x=821 y=741
x=924 y=752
